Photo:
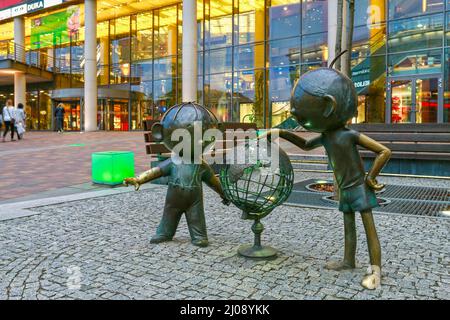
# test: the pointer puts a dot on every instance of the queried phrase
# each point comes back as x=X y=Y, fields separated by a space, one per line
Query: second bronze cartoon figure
x=323 y=101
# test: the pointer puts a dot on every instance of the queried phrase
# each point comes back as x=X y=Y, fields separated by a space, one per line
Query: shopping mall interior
x=249 y=55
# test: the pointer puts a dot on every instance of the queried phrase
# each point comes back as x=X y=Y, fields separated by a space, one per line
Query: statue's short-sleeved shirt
x=341 y=147
x=186 y=176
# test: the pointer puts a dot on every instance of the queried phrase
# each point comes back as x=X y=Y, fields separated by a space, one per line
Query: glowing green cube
x=112 y=167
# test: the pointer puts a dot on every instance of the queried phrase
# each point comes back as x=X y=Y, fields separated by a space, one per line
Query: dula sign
x=37 y=5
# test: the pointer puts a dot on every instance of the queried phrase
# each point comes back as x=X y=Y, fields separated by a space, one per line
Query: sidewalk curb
x=21 y=209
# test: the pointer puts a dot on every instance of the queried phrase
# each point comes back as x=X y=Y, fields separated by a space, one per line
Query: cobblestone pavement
x=99 y=248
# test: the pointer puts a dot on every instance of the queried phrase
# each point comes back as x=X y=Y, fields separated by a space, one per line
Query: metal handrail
x=9 y=50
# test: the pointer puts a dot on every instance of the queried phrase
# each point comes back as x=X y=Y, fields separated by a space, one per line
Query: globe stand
x=256 y=251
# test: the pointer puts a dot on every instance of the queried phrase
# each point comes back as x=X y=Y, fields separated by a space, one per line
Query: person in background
x=8 y=114
x=59 y=114
x=20 y=121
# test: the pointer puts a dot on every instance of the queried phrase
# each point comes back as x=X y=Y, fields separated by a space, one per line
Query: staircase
x=309 y=162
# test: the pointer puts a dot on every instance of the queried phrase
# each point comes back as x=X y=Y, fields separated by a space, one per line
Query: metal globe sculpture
x=257 y=185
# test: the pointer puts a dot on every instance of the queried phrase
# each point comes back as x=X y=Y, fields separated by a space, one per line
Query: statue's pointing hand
x=132 y=181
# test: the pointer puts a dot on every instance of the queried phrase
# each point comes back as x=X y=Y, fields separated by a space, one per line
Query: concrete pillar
x=261 y=108
x=20 y=88
x=19 y=38
x=189 y=75
x=90 y=66
x=20 y=83
x=332 y=29
x=172 y=40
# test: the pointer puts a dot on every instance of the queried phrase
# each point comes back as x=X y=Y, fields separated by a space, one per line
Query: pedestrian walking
x=8 y=114
x=59 y=114
x=20 y=121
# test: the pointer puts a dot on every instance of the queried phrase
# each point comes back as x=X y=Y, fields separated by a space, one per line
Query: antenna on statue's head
x=336 y=59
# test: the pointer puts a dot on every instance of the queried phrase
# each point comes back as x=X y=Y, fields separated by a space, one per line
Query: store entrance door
x=416 y=100
x=72 y=115
x=112 y=115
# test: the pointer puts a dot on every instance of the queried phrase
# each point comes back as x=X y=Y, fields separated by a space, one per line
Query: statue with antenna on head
x=323 y=101
x=185 y=169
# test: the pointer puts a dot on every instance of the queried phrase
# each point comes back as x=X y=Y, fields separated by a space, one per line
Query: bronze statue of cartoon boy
x=323 y=101
x=184 y=194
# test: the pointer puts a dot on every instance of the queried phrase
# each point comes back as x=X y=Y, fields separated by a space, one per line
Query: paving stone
x=101 y=248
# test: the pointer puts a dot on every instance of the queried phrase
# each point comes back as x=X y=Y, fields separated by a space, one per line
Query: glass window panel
x=219 y=28
x=164 y=67
x=401 y=101
x=62 y=63
x=284 y=19
x=164 y=94
x=284 y=52
x=142 y=71
x=200 y=56
x=45 y=110
x=166 y=32
x=251 y=21
x=144 y=87
x=408 y=8
x=249 y=96
x=369 y=41
x=143 y=45
x=414 y=33
x=103 y=42
x=415 y=63
x=314 y=51
x=249 y=57
x=369 y=77
x=281 y=83
x=427 y=100
x=103 y=75
x=144 y=21
x=120 y=40
x=314 y=16
x=218 y=95
x=219 y=60
x=447 y=87
x=77 y=57
x=120 y=73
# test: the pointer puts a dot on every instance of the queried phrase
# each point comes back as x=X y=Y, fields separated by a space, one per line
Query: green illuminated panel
x=112 y=167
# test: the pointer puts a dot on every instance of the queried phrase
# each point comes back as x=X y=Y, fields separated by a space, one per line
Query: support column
x=332 y=29
x=90 y=66
x=189 y=62
x=20 y=82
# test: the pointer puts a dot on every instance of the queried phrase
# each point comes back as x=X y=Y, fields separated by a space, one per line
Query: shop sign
x=19 y=10
x=362 y=84
x=35 y=5
x=51 y=3
x=5 y=14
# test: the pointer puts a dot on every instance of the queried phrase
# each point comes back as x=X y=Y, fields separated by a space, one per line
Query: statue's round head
x=185 y=121
x=324 y=100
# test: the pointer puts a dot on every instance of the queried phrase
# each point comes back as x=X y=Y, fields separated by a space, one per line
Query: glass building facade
x=250 y=53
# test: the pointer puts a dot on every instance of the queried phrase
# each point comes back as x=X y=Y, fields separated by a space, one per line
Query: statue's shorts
x=188 y=201
x=357 y=198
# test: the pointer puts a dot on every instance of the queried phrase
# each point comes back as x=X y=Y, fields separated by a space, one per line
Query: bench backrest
x=160 y=150
x=407 y=141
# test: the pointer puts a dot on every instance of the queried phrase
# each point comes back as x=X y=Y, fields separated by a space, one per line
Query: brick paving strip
x=49 y=161
x=96 y=245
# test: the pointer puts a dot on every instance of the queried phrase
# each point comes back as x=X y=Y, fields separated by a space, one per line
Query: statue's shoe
x=372 y=281
x=200 y=243
x=160 y=239
x=339 y=266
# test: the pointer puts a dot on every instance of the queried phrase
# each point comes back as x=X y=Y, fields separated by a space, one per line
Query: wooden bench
x=159 y=152
x=422 y=149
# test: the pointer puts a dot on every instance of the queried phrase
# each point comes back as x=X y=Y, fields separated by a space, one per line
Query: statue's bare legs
x=373 y=279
